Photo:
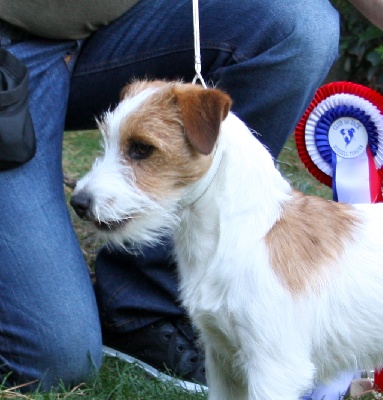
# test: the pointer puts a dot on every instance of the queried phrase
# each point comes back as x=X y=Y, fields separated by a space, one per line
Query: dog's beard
x=147 y=225
x=122 y=213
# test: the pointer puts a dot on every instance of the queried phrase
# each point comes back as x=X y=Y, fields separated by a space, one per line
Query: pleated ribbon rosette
x=340 y=141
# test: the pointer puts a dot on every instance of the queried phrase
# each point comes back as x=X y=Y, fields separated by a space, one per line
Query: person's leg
x=139 y=290
x=49 y=325
x=270 y=56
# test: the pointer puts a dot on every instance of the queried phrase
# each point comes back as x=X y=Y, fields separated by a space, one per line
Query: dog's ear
x=202 y=112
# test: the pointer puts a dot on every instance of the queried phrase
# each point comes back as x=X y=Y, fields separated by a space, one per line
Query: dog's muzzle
x=82 y=203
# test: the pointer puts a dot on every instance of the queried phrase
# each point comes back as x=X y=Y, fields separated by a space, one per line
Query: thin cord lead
x=197 y=47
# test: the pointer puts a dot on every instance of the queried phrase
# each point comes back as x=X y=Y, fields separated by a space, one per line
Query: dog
x=284 y=289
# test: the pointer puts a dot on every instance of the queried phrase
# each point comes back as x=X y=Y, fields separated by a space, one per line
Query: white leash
x=197 y=48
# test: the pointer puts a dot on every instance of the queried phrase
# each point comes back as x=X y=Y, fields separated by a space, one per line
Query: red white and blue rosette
x=340 y=141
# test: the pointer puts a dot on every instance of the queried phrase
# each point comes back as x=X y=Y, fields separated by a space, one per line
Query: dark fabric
x=17 y=138
x=124 y=281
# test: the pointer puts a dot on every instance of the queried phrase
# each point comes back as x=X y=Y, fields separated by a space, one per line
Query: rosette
x=340 y=141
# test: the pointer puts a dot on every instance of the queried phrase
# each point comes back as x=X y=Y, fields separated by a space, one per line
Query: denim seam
x=120 y=323
x=110 y=64
x=114 y=296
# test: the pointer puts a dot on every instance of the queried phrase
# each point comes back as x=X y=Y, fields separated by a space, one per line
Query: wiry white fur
x=111 y=121
x=115 y=195
x=262 y=340
x=227 y=286
x=148 y=220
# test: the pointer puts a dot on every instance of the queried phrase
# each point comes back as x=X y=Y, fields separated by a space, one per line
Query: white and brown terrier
x=285 y=289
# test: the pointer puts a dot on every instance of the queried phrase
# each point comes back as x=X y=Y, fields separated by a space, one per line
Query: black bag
x=17 y=136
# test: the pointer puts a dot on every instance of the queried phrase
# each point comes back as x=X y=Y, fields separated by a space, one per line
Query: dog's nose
x=81 y=203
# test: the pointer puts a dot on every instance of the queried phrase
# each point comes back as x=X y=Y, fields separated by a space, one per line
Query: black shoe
x=170 y=346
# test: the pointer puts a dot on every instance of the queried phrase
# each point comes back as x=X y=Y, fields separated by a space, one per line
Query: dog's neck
x=201 y=186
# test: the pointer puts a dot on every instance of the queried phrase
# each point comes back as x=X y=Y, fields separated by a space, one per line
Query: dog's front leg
x=283 y=379
x=222 y=382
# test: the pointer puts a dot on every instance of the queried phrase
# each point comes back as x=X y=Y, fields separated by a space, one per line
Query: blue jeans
x=49 y=327
x=270 y=56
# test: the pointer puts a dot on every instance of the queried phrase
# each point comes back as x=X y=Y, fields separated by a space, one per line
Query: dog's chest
x=208 y=303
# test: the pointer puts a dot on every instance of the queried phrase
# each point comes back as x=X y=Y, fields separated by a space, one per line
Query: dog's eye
x=140 y=150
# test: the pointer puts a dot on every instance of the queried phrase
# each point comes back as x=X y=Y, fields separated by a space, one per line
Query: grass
x=79 y=151
x=117 y=379
x=295 y=172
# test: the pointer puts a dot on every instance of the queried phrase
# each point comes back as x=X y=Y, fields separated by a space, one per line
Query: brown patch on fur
x=158 y=122
x=310 y=236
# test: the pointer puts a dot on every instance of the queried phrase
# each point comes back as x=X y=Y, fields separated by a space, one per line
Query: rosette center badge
x=347 y=137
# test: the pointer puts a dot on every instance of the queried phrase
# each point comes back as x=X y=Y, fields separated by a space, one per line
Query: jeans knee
x=316 y=33
x=69 y=359
x=293 y=33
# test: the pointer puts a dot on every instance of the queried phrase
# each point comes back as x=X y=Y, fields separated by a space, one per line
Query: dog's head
x=158 y=141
